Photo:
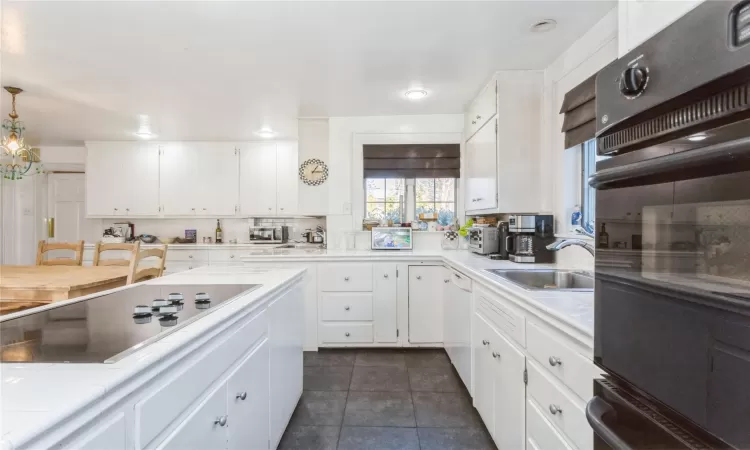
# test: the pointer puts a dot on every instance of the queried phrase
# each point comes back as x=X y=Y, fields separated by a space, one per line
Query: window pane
x=446 y=213
x=423 y=207
x=445 y=189
x=394 y=189
x=375 y=189
x=393 y=212
x=376 y=211
x=425 y=189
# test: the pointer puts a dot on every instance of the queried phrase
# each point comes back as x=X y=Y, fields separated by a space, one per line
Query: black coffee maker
x=528 y=238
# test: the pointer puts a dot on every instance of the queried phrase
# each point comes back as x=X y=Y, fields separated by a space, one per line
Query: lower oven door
x=672 y=305
x=624 y=420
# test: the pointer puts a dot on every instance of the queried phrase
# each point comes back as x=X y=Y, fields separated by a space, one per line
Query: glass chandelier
x=17 y=159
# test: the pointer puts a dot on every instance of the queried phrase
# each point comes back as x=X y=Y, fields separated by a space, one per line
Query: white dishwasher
x=457 y=324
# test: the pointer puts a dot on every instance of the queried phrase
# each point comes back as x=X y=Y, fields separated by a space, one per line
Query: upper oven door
x=672 y=314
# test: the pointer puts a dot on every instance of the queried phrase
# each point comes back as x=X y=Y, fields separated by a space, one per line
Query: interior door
x=66 y=207
x=258 y=179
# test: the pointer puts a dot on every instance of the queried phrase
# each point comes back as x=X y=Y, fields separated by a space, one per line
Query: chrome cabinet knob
x=242 y=395
x=495 y=355
x=190 y=268
x=473 y=122
x=231 y=256
x=485 y=342
x=479 y=117
x=554 y=409
x=204 y=209
x=127 y=209
x=269 y=209
x=190 y=256
x=385 y=275
x=115 y=209
x=221 y=421
x=346 y=308
x=447 y=281
x=554 y=361
x=346 y=334
x=192 y=209
x=346 y=278
x=419 y=277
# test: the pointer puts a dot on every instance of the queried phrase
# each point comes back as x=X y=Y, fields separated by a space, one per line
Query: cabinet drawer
x=573 y=369
x=561 y=410
x=179 y=254
x=343 y=333
x=226 y=256
x=171 y=396
x=345 y=306
x=540 y=434
x=201 y=430
x=502 y=316
x=345 y=277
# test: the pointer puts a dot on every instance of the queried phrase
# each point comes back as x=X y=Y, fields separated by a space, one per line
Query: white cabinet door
x=122 y=179
x=449 y=310
x=108 y=434
x=425 y=304
x=510 y=393
x=285 y=339
x=202 y=429
x=540 y=434
x=484 y=374
x=482 y=109
x=177 y=183
x=258 y=179
x=385 y=301
x=199 y=179
x=248 y=390
x=482 y=168
x=287 y=178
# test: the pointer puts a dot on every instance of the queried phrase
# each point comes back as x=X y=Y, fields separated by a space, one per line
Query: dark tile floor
x=384 y=400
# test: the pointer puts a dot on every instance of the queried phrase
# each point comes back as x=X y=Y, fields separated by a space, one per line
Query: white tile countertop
x=572 y=311
x=39 y=396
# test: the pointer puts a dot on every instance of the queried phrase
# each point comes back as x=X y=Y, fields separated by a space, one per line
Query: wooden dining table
x=23 y=287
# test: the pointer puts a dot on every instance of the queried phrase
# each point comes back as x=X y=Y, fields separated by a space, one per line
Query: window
x=589 y=159
x=436 y=195
x=384 y=199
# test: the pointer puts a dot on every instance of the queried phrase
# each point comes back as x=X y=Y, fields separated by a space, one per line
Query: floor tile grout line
x=346 y=402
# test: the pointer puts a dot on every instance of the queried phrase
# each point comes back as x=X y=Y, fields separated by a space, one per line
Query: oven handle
x=675 y=161
x=596 y=408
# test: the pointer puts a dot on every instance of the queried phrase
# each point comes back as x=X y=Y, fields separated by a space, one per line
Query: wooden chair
x=136 y=275
x=45 y=247
x=101 y=248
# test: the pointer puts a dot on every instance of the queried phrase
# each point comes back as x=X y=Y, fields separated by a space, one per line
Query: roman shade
x=579 y=107
x=412 y=161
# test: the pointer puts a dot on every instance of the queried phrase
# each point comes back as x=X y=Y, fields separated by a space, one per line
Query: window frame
x=402 y=204
x=408 y=207
x=588 y=194
x=454 y=202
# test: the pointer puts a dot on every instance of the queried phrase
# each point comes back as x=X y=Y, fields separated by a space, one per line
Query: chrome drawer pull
x=554 y=409
x=495 y=355
x=221 y=421
x=385 y=275
x=346 y=334
x=346 y=278
x=242 y=395
x=554 y=361
x=346 y=308
x=485 y=342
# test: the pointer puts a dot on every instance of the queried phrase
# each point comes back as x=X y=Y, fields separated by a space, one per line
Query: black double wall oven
x=672 y=316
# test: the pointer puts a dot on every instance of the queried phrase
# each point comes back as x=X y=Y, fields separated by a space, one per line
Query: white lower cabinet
x=484 y=382
x=540 y=434
x=385 y=302
x=205 y=427
x=426 y=304
x=109 y=434
x=248 y=400
x=457 y=322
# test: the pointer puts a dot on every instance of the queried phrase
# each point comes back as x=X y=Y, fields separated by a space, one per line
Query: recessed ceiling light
x=697 y=137
x=145 y=134
x=544 y=26
x=265 y=133
x=144 y=129
x=416 y=94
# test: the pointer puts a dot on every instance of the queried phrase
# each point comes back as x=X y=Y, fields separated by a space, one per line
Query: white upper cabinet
x=287 y=178
x=122 y=179
x=638 y=20
x=199 y=179
x=502 y=155
x=268 y=179
x=482 y=109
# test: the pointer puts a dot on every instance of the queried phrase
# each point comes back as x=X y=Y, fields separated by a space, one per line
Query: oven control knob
x=633 y=81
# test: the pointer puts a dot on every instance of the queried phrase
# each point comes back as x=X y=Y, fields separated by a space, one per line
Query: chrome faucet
x=562 y=243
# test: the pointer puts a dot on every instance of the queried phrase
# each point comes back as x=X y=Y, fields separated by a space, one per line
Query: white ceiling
x=221 y=70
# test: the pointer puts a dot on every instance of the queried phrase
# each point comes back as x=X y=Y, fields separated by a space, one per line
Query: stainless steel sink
x=548 y=279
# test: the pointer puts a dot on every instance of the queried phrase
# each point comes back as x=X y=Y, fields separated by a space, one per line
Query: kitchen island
x=229 y=379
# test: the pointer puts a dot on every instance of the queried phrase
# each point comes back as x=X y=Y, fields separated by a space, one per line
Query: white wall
x=560 y=169
x=313 y=143
x=346 y=136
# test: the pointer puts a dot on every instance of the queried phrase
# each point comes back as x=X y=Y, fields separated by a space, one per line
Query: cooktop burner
x=105 y=329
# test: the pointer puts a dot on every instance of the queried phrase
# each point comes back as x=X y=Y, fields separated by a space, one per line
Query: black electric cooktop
x=107 y=328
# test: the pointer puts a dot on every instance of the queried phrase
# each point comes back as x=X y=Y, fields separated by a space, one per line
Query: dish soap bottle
x=603 y=237
x=575 y=217
x=218 y=232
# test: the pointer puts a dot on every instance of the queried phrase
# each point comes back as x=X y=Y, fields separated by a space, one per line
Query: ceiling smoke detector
x=544 y=26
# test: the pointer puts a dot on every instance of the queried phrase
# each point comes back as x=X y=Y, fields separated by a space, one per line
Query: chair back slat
x=43 y=247
x=136 y=274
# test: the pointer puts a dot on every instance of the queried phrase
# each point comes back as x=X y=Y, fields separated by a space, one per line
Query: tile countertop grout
x=575 y=310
